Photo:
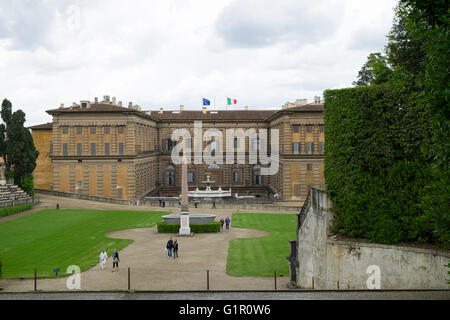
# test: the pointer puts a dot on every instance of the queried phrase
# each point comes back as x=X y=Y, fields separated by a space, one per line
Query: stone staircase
x=10 y=192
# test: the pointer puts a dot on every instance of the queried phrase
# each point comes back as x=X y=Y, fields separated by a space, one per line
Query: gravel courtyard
x=150 y=269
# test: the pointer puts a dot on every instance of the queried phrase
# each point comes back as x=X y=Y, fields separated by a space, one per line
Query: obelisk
x=185 y=230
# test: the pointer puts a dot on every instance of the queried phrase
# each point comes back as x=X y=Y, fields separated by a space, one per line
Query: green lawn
x=261 y=256
x=51 y=239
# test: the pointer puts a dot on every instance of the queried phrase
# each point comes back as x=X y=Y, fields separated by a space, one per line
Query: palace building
x=103 y=149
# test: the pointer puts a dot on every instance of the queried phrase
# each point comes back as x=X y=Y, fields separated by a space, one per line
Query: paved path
x=273 y=295
x=150 y=268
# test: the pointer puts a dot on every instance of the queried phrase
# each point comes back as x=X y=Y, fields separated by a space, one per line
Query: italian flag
x=229 y=100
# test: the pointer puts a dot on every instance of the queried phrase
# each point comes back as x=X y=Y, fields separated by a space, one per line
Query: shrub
x=13 y=210
x=164 y=227
x=375 y=172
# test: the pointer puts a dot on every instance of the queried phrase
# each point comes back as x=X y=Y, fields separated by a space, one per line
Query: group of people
x=227 y=222
x=104 y=257
x=172 y=246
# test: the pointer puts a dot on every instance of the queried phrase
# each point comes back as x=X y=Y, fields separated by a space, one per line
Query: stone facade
x=109 y=151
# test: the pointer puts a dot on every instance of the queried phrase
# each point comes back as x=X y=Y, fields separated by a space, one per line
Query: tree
x=6 y=112
x=374 y=71
x=403 y=50
x=22 y=153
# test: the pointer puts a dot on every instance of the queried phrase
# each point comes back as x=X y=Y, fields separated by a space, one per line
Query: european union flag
x=206 y=102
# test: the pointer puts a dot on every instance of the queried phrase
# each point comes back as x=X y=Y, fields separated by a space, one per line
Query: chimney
x=114 y=100
x=204 y=110
x=119 y=103
x=61 y=105
x=160 y=110
x=130 y=104
x=106 y=99
x=95 y=100
x=181 y=108
x=317 y=99
x=246 y=108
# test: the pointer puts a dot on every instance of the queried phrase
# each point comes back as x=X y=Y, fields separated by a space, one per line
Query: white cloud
x=167 y=53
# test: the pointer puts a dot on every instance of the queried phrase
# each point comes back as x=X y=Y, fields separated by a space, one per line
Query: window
x=120 y=129
x=93 y=148
x=84 y=105
x=236 y=142
x=295 y=147
x=93 y=129
x=321 y=127
x=310 y=147
x=254 y=145
x=106 y=129
x=79 y=130
x=121 y=148
x=322 y=147
x=257 y=175
x=188 y=143
x=168 y=144
x=170 y=176
x=51 y=147
x=79 y=149
x=235 y=176
x=309 y=128
x=309 y=166
x=80 y=184
x=297 y=190
x=65 y=149
x=65 y=130
x=107 y=148
x=119 y=193
x=295 y=129
x=190 y=176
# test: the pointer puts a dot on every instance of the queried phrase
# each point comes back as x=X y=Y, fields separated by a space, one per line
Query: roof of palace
x=187 y=115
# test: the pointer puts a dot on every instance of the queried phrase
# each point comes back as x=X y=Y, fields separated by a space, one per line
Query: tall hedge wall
x=374 y=169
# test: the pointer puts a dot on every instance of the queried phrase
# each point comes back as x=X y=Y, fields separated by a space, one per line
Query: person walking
x=160 y=202
x=103 y=258
x=227 y=223
x=115 y=259
x=195 y=204
x=169 y=248
x=175 y=249
x=221 y=223
x=214 y=204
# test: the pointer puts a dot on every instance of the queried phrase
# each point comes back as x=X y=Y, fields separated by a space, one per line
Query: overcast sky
x=166 y=53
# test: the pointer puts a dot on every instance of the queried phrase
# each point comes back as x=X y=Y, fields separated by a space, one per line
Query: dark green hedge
x=164 y=227
x=13 y=210
x=374 y=168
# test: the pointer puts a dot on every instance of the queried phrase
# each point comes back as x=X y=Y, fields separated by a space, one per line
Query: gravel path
x=150 y=269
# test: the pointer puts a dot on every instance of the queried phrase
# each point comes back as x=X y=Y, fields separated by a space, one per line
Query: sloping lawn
x=51 y=239
x=261 y=256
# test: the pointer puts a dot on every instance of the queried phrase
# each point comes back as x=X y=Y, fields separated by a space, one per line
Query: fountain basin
x=194 y=218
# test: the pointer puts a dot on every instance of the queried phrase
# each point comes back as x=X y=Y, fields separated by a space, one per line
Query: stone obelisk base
x=185 y=229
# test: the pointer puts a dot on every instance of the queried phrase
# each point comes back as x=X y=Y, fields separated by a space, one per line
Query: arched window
x=257 y=175
x=170 y=176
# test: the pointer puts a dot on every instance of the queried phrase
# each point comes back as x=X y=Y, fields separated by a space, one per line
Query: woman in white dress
x=103 y=258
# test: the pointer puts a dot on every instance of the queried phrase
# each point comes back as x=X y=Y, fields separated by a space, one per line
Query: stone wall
x=324 y=263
